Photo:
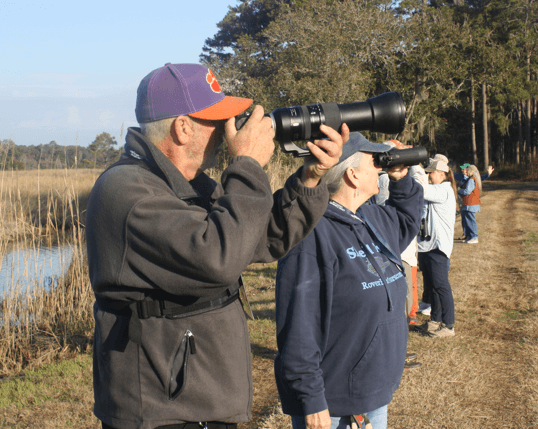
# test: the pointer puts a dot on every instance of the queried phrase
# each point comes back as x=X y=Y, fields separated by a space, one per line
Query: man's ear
x=183 y=129
x=352 y=177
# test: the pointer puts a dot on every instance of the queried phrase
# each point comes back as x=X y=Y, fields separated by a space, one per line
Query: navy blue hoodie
x=340 y=308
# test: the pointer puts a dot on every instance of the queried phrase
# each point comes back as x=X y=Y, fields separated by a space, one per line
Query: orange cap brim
x=227 y=108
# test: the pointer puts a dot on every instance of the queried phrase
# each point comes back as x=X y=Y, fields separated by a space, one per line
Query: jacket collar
x=139 y=147
x=343 y=214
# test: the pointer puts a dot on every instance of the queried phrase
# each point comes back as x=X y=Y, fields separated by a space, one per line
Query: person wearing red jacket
x=470 y=192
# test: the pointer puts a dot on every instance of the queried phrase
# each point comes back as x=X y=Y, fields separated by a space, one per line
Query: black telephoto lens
x=384 y=113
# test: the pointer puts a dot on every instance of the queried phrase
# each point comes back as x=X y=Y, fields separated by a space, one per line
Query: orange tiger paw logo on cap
x=212 y=81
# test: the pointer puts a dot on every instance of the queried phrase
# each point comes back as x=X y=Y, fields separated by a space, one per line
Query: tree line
x=99 y=154
x=466 y=69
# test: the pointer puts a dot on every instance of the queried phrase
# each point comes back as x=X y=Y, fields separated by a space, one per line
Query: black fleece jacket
x=148 y=229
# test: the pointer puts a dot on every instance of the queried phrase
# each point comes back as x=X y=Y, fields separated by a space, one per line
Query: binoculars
x=407 y=157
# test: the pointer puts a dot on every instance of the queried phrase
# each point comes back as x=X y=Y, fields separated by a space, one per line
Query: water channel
x=33 y=266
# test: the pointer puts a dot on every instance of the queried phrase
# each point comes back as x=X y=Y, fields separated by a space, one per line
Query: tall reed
x=40 y=316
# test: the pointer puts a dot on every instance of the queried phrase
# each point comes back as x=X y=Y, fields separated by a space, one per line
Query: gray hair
x=157 y=131
x=473 y=170
x=335 y=176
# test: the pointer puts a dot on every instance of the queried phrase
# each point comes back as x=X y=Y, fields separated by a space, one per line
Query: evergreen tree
x=103 y=149
x=466 y=68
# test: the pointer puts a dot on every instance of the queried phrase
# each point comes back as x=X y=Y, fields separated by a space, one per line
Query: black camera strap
x=385 y=249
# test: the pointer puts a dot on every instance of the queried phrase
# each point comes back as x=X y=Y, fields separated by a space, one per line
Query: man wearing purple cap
x=167 y=246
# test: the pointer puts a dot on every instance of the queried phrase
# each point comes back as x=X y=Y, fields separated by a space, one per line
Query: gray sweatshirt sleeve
x=295 y=212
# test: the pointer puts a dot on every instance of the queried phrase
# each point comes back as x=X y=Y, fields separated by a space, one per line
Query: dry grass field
x=40 y=209
x=36 y=204
x=484 y=377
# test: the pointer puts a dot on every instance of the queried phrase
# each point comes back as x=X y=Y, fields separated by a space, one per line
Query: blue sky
x=69 y=70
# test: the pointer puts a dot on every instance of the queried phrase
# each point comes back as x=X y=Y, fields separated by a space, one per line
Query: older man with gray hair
x=167 y=246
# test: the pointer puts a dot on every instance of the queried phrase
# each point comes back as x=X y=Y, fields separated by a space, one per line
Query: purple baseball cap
x=185 y=89
x=358 y=143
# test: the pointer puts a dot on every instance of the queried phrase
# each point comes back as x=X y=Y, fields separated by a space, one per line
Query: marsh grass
x=41 y=318
x=278 y=169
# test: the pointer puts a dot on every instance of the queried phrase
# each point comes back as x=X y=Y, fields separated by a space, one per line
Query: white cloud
x=52 y=119
x=22 y=93
x=47 y=119
x=78 y=92
x=52 y=92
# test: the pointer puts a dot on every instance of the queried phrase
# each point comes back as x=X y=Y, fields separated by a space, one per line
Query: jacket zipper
x=190 y=349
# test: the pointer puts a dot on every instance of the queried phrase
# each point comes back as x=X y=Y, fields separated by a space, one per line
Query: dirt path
x=487 y=375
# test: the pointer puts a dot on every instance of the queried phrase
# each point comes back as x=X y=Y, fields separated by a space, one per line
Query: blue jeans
x=378 y=419
x=468 y=221
x=434 y=266
x=426 y=291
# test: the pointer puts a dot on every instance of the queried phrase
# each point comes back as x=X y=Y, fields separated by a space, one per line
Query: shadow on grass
x=263 y=352
x=492 y=185
x=262 y=301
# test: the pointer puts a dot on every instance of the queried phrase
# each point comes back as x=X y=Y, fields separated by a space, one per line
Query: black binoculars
x=407 y=157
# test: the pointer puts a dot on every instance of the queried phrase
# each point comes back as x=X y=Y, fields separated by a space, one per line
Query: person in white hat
x=435 y=243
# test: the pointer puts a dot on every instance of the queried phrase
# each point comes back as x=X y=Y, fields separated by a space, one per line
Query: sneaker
x=472 y=241
x=409 y=357
x=443 y=331
x=432 y=325
x=463 y=237
x=412 y=365
x=424 y=308
x=429 y=326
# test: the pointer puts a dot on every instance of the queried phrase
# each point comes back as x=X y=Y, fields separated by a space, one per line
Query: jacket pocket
x=179 y=367
x=381 y=366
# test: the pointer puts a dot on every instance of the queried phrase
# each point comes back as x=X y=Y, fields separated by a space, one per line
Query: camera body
x=384 y=113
